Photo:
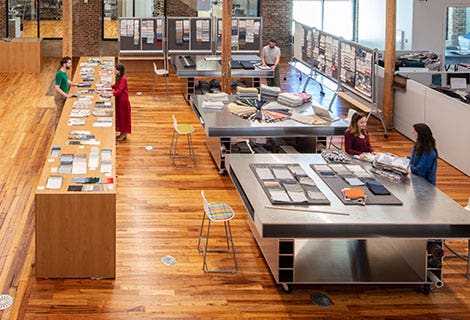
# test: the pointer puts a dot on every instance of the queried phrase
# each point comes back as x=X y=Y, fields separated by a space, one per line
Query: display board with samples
x=246 y=35
x=348 y=63
x=141 y=35
x=189 y=34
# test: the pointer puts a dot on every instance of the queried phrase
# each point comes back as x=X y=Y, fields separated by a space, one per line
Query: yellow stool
x=187 y=130
x=217 y=212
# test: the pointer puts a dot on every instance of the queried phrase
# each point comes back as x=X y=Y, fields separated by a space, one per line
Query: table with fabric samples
x=321 y=237
x=221 y=127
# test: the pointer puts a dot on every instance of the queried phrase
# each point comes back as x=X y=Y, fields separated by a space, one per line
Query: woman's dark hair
x=122 y=72
x=425 y=142
x=353 y=128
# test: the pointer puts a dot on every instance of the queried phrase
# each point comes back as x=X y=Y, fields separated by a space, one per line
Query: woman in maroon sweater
x=356 y=138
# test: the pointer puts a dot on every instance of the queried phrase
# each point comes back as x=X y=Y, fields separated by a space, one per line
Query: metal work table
x=373 y=244
x=221 y=126
x=207 y=67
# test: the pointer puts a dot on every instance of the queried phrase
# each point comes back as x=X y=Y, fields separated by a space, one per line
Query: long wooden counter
x=76 y=230
x=21 y=55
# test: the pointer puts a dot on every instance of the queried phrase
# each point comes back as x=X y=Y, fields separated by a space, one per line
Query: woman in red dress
x=123 y=106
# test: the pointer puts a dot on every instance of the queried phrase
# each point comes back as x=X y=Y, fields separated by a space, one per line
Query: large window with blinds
x=332 y=16
x=35 y=19
x=458 y=28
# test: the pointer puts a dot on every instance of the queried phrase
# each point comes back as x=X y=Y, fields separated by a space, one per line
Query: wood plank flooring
x=158 y=213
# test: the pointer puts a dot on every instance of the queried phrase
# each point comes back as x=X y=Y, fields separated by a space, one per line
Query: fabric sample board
x=288 y=184
x=336 y=178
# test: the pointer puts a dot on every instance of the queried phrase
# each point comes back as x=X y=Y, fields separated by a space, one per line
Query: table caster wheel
x=287 y=287
x=426 y=289
x=385 y=135
x=221 y=171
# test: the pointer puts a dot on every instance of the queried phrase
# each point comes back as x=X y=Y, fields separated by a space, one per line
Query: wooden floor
x=158 y=213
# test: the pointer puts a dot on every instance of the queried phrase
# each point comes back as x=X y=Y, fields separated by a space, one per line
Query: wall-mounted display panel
x=189 y=34
x=141 y=35
x=246 y=35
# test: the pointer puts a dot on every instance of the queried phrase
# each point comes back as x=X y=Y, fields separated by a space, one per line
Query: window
x=240 y=8
x=33 y=19
x=308 y=12
x=113 y=9
x=338 y=10
x=458 y=28
x=325 y=15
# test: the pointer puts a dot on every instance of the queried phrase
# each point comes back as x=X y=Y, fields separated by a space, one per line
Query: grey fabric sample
x=264 y=173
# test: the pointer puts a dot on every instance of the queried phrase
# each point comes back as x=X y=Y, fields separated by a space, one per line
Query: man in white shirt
x=270 y=56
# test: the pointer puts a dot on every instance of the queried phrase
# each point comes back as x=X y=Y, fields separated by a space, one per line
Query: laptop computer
x=324 y=114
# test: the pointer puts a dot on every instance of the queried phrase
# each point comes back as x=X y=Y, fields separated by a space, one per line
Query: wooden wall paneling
x=21 y=55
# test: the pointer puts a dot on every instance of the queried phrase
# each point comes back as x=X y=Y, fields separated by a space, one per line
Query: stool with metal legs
x=217 y=212
x=187 y=130
x=159 y=72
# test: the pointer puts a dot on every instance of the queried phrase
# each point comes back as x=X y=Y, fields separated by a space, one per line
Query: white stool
x=159 y=72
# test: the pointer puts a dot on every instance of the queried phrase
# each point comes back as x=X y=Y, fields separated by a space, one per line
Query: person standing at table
x=356 y=137
x=62 y=84
x=123 y=106
x=423 y=160
x=271 y=56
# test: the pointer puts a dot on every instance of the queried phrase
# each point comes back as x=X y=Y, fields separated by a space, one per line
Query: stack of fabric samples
x=247 y=93
x=216 y=97
x=214 y=105
x=269 y=93
x=290 y=99
x=306 y=97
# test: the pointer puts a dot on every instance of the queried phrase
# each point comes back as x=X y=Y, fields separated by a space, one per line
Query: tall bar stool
x=187 y=130
x=159 y=72
x=217 y=212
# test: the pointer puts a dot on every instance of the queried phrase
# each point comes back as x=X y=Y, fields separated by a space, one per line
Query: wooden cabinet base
x=75 y=235
x=21 y=55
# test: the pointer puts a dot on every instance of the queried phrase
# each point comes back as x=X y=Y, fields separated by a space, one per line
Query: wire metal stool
x=217 y=212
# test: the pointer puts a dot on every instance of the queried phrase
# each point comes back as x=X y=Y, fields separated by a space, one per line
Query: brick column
x=277 y=23
x=87 y=24
x=3 y=22
x=179 y=8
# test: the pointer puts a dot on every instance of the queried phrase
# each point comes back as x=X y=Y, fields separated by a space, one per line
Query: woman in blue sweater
x=423 y=160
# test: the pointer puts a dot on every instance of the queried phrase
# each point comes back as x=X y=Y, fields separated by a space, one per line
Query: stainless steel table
x=373 y=244
x=221 y=127
x=207 y=67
